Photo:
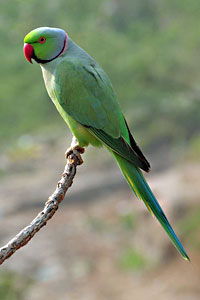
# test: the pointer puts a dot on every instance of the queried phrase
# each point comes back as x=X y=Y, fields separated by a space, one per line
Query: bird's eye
x=42 y=40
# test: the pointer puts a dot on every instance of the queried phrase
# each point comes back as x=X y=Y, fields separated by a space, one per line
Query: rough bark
x=25 y=235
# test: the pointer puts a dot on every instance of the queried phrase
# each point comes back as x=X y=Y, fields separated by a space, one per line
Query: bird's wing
x=85 y=93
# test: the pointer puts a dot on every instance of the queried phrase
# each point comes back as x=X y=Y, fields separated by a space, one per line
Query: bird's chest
x=49 y=80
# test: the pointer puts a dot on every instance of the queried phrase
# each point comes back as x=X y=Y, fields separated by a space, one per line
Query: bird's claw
x=77 y=150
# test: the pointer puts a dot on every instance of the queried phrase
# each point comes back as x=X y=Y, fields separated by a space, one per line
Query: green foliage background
x=149 y=48
x=151 y=52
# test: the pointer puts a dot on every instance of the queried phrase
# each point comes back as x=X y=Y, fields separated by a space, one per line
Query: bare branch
x=23 y=237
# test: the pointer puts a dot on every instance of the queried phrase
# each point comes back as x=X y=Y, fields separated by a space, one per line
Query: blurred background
x=102 y=243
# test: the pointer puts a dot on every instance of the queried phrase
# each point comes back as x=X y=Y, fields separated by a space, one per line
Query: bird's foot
x=77 y=150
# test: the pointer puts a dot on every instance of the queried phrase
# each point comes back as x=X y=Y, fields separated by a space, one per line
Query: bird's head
x=45 y=44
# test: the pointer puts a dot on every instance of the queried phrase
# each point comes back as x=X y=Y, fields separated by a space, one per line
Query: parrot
x=84 y=96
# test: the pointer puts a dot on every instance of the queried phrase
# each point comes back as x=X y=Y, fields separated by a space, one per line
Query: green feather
x=142 y=190
x=83 y=95
x=121 y=147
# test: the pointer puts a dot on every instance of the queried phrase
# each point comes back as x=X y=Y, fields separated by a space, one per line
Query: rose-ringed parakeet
x=84 y=96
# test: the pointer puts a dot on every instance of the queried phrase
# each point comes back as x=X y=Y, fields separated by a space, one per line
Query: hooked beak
x=28 y=52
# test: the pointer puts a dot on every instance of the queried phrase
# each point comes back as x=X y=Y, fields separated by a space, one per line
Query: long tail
x=142 y=190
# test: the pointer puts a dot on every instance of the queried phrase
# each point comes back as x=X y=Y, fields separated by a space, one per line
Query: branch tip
x=73 y=155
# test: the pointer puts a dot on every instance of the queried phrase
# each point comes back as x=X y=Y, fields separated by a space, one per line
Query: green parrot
x=84 y=96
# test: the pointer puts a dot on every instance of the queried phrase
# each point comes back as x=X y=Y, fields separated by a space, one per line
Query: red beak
x=28 y=52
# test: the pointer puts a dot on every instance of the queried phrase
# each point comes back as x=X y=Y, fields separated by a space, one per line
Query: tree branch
x=25 y=235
